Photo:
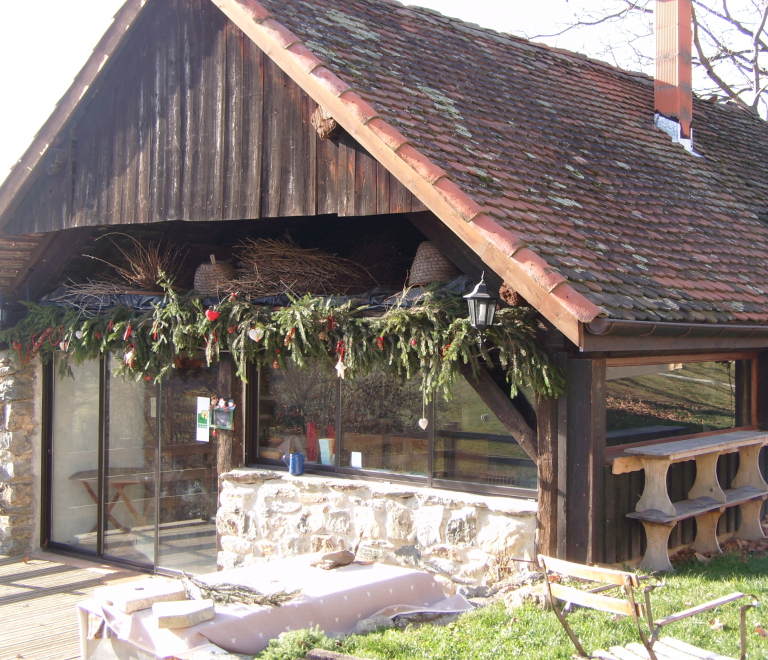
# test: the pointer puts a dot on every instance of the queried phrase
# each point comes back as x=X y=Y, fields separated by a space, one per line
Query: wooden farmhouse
x=619 y=221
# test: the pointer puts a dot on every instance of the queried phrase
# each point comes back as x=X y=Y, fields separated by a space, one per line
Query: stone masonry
x=465 y=539
x=19 y=454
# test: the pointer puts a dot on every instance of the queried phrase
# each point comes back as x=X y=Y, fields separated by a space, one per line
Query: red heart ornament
x=211 y=314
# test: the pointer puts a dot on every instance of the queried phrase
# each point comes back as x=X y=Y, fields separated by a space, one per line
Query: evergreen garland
x=430 y=338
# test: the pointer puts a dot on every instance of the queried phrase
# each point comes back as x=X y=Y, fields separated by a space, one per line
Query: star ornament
x=341 y=368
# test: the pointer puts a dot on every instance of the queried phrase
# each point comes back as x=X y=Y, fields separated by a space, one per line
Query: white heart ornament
x=256 y=334
x=423 y=423
x=79 y=334
x=64 y=346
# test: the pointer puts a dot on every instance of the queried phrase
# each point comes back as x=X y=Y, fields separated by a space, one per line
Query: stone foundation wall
x=19 y=454
x=468 y=540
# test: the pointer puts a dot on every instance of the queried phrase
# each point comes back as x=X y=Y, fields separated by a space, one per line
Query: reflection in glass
x=647 y=402
x=297 y=412
x=131 y=437
x=472 y=445
x=379 y=420
x=188 y=481
x=75 y=455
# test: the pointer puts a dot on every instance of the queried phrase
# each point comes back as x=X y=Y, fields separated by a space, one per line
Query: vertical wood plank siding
x=195 y=123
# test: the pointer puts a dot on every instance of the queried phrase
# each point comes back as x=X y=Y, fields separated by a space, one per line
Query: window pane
x=188 y=479
x=75 y=459
x=297 y=412
x=472 y=445
x=380 y=424
x=130 y=478
x=647 y=402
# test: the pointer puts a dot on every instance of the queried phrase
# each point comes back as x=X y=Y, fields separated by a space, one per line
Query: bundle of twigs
x=269 y=267
x=382 y=258
x=90 y=297
x=226 y=594
x=144 y=265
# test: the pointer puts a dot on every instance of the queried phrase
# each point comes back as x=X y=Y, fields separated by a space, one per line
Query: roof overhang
x=604 y=334
x=501 y=250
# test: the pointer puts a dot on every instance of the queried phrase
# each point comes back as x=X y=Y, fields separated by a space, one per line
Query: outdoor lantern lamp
x=482 y=307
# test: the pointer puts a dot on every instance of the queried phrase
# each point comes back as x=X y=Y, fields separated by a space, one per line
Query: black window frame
x=337 y=470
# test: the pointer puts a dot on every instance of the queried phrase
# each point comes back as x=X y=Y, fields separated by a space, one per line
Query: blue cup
x=295 y=463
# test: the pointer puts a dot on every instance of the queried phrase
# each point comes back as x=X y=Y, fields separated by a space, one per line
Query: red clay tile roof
x=560 y=150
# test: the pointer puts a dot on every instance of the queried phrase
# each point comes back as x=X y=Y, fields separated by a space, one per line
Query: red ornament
x=211 y=314
x=98 y=335
x=232 y=329
x=413 y=342
x=275 y=365
x=111 y=326
x=380 y=343
x=128 y=331
x=147 y=378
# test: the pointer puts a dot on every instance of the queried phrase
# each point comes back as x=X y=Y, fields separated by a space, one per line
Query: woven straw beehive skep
x=212 y=278
x=431 y=265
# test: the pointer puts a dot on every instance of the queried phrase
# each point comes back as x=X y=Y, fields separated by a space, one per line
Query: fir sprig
x=428 y=340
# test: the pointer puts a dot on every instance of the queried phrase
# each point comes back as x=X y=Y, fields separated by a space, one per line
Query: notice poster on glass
x=203 y=418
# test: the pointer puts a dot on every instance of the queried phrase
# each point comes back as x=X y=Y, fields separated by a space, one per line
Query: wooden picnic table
x=119 y=479
x=706 y=500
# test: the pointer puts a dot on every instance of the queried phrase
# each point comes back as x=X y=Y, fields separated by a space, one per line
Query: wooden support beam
x=48 y=263
x=546 y=430
x=585 y=504
x=467 y=261
x=762 y=391
x=744 y=393
x=501 y=406
x=229 y=452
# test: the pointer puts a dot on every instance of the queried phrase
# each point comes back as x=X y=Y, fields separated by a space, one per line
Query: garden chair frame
x=626 y=582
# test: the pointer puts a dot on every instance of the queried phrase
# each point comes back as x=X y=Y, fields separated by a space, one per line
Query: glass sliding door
x=131 y=478
x=129 y=468
x=188 y=486
x=75 y=456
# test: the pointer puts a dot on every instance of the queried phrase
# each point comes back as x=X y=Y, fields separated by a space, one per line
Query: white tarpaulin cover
x=335 y=600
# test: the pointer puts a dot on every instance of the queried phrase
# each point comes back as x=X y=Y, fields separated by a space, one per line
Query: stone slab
x=135 y=596
x=183 y=614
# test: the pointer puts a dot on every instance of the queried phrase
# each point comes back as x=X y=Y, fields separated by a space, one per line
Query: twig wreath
x=428 y=340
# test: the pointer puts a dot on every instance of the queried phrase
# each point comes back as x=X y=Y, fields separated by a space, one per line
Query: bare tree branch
x=730 y=45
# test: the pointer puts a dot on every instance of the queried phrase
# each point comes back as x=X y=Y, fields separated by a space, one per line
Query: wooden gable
x=193 y=122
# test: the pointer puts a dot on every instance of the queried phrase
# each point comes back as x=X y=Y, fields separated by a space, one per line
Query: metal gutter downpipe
x=604 y=326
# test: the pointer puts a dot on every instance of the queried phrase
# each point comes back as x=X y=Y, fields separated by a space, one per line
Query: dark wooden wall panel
x=194 y=123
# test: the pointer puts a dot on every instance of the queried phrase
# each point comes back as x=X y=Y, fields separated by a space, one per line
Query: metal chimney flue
x=674 y=37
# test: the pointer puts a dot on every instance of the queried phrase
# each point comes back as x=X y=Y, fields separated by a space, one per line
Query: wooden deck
x=37 y=604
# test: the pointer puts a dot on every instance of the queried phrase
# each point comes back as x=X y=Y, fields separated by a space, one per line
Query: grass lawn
x=491 y=633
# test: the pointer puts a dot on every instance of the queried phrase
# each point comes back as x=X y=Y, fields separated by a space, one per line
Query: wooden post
x=762 y=391
x=585 y=504
x=229 y=452
x=546 y=427
x=744 y=388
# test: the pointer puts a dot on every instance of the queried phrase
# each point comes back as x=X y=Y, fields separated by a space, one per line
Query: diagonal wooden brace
x=749 y=469
x=706 y=532
x=655 y=495
x=707 y=484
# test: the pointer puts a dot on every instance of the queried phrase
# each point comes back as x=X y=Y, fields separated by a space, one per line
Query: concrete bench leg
x=656 y=557
x=707 y=484
x=655 y=494
x=749 y=469
x=706 y=532
x=750 y=528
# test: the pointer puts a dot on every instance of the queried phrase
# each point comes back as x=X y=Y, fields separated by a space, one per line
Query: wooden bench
x=706 y=499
